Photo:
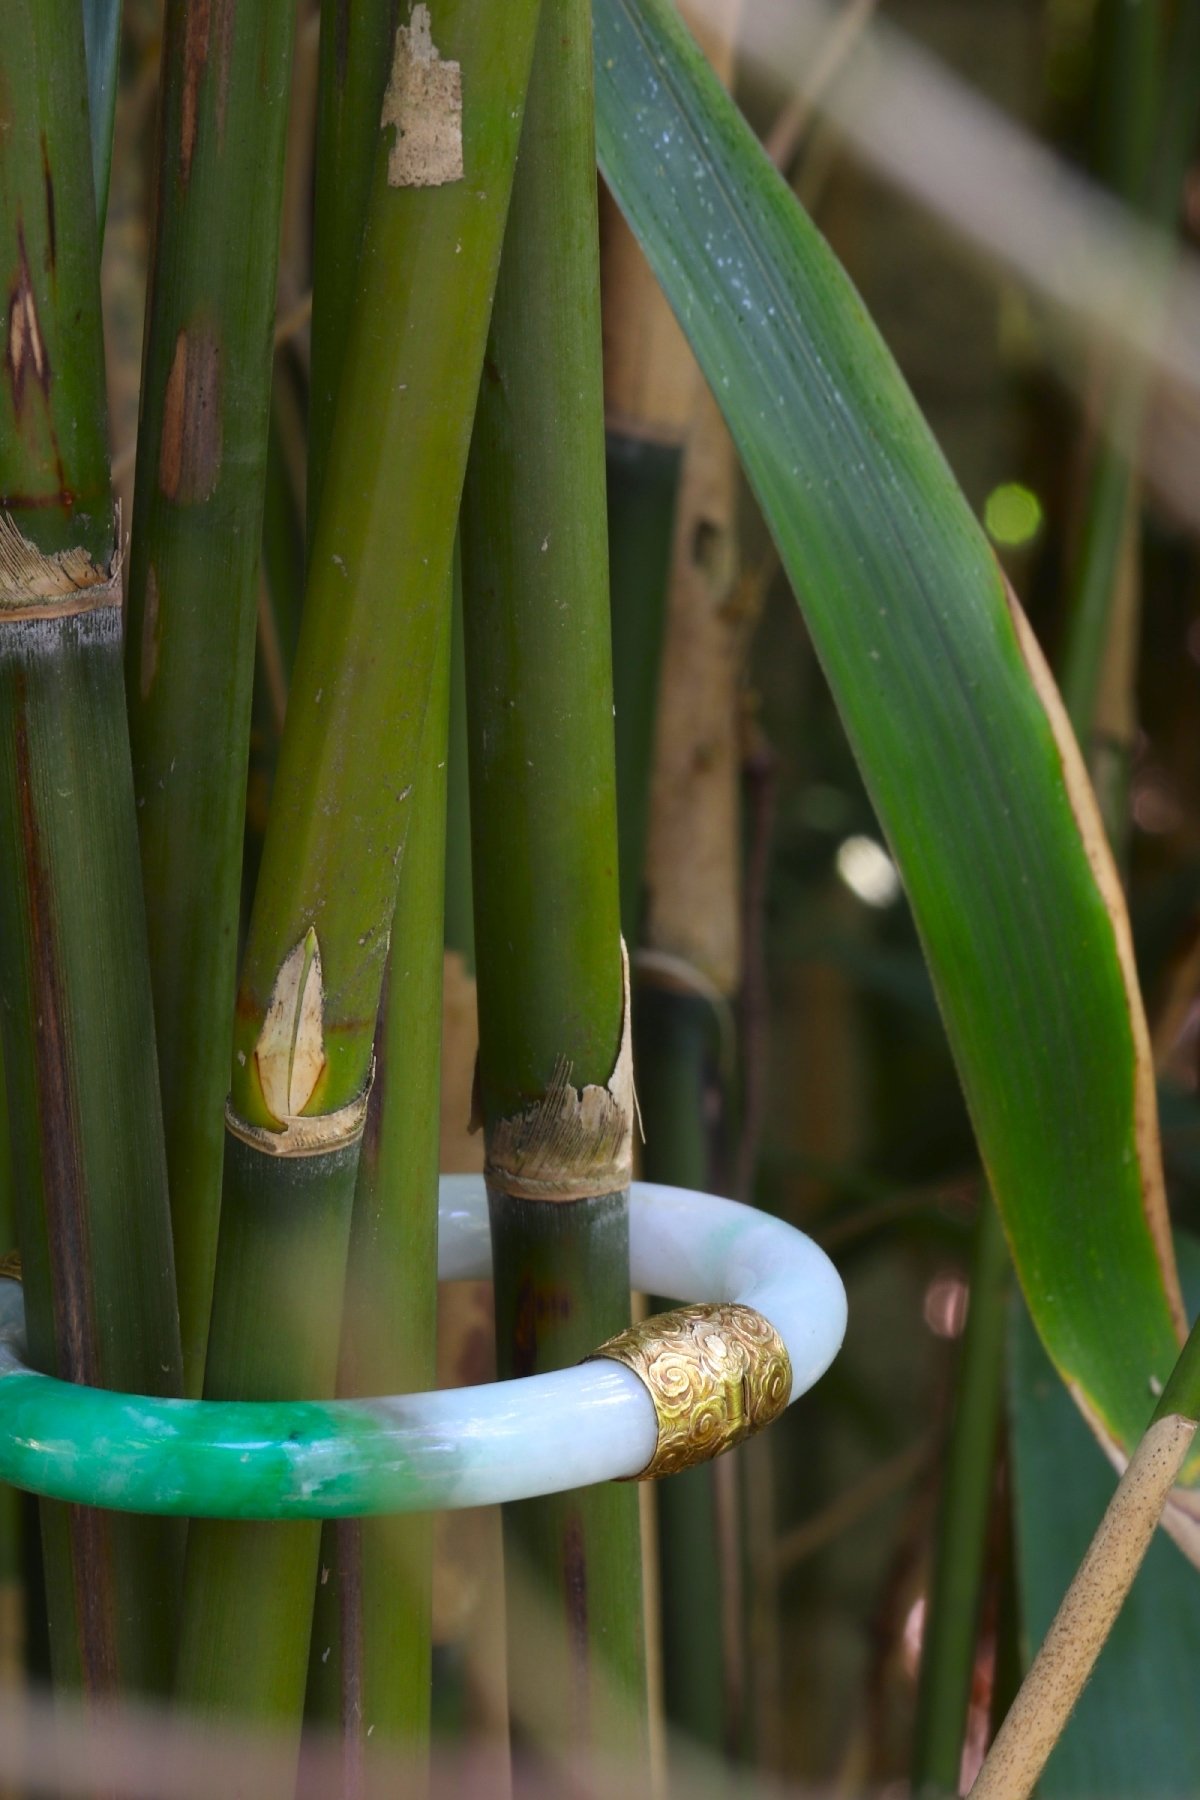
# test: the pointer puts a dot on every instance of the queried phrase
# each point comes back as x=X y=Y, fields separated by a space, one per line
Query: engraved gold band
x=717 y=1373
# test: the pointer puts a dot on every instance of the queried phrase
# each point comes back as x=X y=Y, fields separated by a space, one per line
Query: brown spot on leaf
x=149 y=661
x=25 y=356
x=189 y=452
x=196 y=23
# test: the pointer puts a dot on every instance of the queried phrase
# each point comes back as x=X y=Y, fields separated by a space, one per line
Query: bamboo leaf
x=102 y=45
x=948 y=707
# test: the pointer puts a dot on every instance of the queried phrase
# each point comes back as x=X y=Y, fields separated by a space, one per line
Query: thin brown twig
x=783 y=141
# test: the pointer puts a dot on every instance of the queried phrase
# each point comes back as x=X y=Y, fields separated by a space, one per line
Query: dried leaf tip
x=1094 y=841
x=290 y=1053
x=423 y=101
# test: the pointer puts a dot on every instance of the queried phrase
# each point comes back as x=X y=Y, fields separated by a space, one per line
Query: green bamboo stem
x=1108 y=519
x=576 y=1662
x=377 y=1600
x=539 y=658
x=371 y=1658
x=953 y=1607
x=374 y=613
x=12 y=1594
x=1126 y=91
x=643 y=482
x=384 y=1568
x=280 y=594
x=1149 y=88
x=544 y=850
x=87 y=1151
x=355 y=56
x=193 y=575
x=460 y=920
x=674 y=1039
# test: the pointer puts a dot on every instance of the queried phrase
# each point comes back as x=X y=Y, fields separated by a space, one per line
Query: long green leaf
x=946 y=702
x=102 y=46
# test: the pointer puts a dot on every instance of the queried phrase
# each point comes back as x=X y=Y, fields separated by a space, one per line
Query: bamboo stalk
x=547 y=925
x=674 y=1039
x=642 y=484
x=389 y=1345
x=1148 y=97
x=371 y=1660
x=193 y=576
x=355 y=56
x=376 y=605
x=89 y=1171
x=376 y=1653
x=956 y=1591
x=12 y=1587
x=692 y=968
x=468 y=1594
x=460 y=923
x=280 y=596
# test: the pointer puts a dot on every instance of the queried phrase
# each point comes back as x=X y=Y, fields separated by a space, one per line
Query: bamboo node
x=37 y=584
x=315 y=1136
x=717 y=1373
x=573 y=1143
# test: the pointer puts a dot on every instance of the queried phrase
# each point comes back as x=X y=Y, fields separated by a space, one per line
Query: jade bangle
x=599 y=1421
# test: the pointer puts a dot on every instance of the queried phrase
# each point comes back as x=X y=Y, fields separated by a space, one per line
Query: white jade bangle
x=423 y=1452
